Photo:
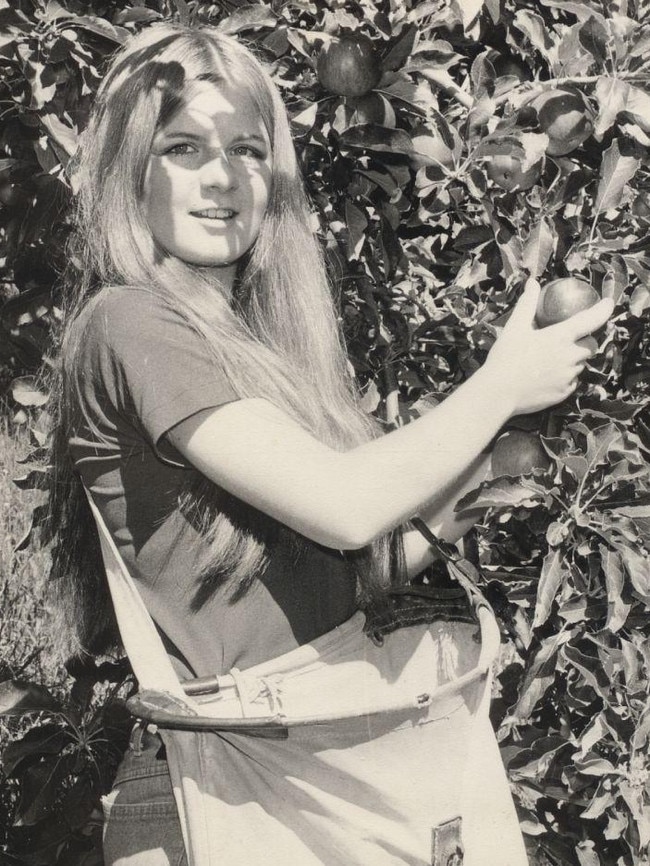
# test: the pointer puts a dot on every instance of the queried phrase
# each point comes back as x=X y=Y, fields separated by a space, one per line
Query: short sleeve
x=152 y=366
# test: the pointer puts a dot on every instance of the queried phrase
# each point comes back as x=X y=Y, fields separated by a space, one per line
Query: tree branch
x=575 y=79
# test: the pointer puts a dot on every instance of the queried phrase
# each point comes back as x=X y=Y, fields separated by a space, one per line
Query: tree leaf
x=602 y=801
x=599 y=442
x=616 y=278
x=535 y=30
x=35 y=479
x=400 y=52
x=136 y=15
x=595 y=732
x=594 y=36
x=590 y=667
x=637 y=105
x=481 y=112
x=587 y=855
x=372 y=137
x=617 y=609
x=638 y=569
x=633 y=130
x=540 y=674
x=494 y=8
x=616 y=172
x=101 y=27
x=47 y=739
x=640 y=299
x=582 y=11
x=508 y=242
x=611 y=95
x=65 y=137
x=504 y=492
x=253 y=17
x=26 y=392
x=596 y=767
x=41 y=787
x=550 y=580
x=303 y=122
x=538 y=248
x=483 y=76
x=634 y=510
x=468 y=12
x=17 y=698
x=38 y=515
x=357 y=224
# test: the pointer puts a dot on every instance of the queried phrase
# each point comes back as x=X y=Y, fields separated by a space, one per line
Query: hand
x=537 y=368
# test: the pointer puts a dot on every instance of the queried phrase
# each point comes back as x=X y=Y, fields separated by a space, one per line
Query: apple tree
x=452 y=149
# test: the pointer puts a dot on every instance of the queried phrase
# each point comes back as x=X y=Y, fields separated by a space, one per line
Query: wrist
x=494 y=390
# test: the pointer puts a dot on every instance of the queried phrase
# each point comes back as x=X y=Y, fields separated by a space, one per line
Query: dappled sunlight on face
x=208 y=179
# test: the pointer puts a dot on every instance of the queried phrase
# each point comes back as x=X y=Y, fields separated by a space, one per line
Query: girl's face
x=208 y=178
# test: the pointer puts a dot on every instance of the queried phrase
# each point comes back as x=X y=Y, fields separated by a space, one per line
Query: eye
x=248 y=150
x=180 y=149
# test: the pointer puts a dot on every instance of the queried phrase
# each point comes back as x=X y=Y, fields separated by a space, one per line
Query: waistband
x=340 y=675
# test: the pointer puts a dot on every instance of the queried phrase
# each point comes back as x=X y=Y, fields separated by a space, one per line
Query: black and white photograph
x=325 y=432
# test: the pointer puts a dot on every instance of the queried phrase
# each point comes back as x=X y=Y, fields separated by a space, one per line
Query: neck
x=224 y=277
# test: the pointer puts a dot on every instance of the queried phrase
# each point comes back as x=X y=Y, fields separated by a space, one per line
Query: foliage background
x=427 y=254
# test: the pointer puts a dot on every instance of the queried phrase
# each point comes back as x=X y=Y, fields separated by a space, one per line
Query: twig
x=445 y=82
x=576 y=79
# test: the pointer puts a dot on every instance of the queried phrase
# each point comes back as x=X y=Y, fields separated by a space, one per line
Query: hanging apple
x=565 y=117
x=349 y=65
x=563 y=298
x=518 y=452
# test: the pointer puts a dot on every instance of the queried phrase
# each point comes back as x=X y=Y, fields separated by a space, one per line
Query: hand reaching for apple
x=537 y=368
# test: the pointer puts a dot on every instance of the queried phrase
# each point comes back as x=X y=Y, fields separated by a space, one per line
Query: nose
x=218 y=172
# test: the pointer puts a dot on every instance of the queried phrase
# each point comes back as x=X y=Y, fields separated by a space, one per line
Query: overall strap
x=143 y=644
x=460 y=568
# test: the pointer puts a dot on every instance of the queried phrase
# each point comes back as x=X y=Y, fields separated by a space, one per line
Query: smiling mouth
x=215 y=213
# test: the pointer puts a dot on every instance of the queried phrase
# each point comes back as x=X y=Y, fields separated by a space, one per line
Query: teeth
x=214 y=213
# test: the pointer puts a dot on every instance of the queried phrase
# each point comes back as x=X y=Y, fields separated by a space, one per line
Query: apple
x=563 y=298
x=565 y=117
x=518 y=452
x=506 y=171
x=372 y=108
x=348 y=65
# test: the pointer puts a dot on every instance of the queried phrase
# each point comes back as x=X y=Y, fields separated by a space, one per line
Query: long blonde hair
x=279 y=337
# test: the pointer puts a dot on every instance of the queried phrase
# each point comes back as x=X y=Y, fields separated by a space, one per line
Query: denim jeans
x=141 y=820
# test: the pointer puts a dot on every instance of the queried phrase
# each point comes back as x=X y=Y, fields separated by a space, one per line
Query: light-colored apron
x=337 y=753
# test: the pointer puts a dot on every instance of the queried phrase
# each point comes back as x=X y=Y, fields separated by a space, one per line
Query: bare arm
x=346 y=499
x=442 y=519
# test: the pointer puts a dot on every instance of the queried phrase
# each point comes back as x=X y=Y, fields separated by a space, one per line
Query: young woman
x=206 y=406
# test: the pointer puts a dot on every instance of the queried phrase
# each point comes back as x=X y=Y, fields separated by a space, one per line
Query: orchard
x=452 y=149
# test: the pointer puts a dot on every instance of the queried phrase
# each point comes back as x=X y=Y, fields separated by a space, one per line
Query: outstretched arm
x=346 y=499
x=440 y=515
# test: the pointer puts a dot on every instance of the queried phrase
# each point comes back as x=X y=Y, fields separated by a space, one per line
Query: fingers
x=590 y=344
x=588 y=320
x=524 y=310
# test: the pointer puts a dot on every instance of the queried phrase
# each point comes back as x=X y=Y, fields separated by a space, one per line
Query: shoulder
x=127 y=306
x=122 y=318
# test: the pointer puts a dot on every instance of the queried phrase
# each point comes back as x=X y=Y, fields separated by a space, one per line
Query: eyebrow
x=193 y=136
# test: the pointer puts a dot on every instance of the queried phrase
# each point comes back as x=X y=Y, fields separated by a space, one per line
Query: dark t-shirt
x=142 y=370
